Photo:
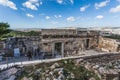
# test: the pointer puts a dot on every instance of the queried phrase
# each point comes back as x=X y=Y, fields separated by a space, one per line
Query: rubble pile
x=60 y=70
x=102 y=67
x=106 y=67
x=10 y=73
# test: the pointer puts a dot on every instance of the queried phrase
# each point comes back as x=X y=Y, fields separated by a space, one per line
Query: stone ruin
x=106 y=66
x=63 y=42
x=25 y=44
x=109 y=45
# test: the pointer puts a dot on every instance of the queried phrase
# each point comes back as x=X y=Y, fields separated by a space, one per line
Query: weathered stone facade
x=25 y=44
x=109 y=45
x=71 y=41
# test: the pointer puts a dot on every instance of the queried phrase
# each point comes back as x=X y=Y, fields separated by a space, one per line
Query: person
x=38 y=51
x=29 y=55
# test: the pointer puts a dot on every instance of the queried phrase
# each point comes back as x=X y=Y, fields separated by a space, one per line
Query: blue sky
x=60 y=13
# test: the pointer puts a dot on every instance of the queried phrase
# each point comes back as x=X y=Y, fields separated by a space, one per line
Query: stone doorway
x=58 y=49
x=87 y=43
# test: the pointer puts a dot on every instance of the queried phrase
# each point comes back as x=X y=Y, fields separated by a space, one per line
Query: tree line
x=5 y=32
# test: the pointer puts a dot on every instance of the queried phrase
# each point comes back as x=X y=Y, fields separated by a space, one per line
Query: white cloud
x=60 y=1
x=37 y=4
x=63 y=2
x=33 y=0
x=57 y=16
x=71 y=18
x=99 y=17
x=116 y=9
x=8 y=3
x=72 y=1
x=47 y=17
x=82 y=9
x=101 y=4
x=29 y=15
x=41 y=3
x=32 y=4
x=29 y=5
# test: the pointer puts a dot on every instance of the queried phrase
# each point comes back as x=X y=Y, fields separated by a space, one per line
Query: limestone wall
x=108 y=45
x=46 y=47
x=71 y=45
x=94 y=42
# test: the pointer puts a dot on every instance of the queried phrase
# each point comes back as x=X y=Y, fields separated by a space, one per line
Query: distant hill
x=27 y=29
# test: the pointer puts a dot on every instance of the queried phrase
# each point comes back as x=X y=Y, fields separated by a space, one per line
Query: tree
x=4 y=28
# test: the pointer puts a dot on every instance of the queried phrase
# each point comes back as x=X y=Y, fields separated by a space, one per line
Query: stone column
x=62 y=50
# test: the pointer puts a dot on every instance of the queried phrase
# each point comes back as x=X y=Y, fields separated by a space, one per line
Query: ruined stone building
x=25 y=44
x=64 y=42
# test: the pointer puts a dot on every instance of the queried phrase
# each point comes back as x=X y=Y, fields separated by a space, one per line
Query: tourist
x=29 y=55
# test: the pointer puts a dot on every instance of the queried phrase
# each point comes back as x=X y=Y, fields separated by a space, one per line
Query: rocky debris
x=72 y=75
x=25 y=78
x=106 y=67
x=37 y=72
x=77 y=69
x=78 y=61
x=61 y=77
x=92 y=78
x=12 y=77
x=8 y=73
x=65 y=62
x=11 y=73
x=55 y=65
x=19 y=72
x=59 y=70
